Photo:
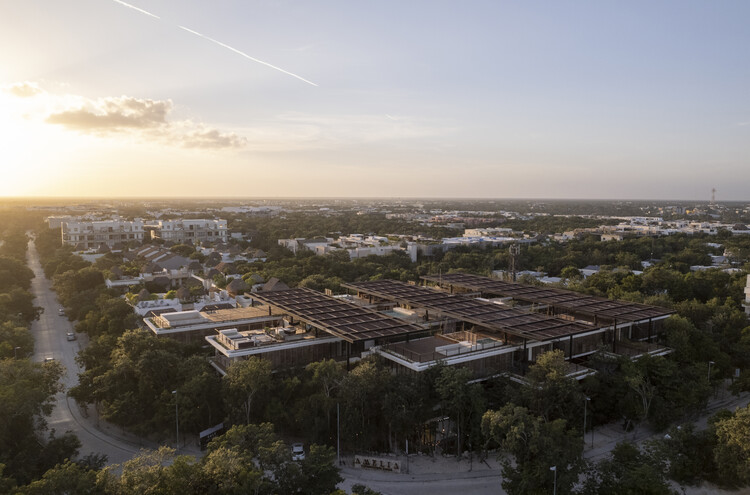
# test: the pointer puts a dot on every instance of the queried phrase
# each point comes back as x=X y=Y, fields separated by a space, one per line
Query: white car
x=70 y=336
x=298 y=452
x=61 y=311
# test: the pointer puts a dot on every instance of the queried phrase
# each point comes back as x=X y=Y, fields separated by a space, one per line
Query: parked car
x=49 y=359
x=70 y=336
x=61 y=311
x=298 y=452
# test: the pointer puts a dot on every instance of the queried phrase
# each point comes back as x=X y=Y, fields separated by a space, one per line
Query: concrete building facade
x=195 y=231
x=91 y=235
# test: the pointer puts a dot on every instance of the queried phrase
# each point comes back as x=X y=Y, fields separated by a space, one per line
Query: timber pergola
x=341 y=319
x=599 y=309
x=510 y=321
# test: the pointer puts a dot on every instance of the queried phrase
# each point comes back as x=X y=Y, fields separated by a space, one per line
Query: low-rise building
x=195 y=231
x=193 y=325
x=289 y=346
x=92 y=234
x=507 y=333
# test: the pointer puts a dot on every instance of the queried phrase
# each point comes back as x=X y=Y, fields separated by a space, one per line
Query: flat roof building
x=91 y=235
x=191 y=325
x=195 y=231
x=492 y=337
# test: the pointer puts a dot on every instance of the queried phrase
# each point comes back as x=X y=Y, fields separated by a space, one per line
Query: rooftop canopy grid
x=516 y=322
x=341 y=319
x=568 y=300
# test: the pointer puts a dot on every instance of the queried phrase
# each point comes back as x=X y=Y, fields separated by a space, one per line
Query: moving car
x=298 y=452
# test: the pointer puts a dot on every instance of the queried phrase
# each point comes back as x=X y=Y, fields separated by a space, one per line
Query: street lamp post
x=554 y=486
x=710 y=363
x=176 y=418
x=585 y=407
x=15 y=352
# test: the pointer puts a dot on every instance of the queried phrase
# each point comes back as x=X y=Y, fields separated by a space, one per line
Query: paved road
x=50 y=335
x=484 y=485
x=429 y=475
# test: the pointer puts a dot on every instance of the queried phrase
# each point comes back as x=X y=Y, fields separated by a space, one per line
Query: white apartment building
x=91 y=235
x=488 y=232
x=196 y=231
x=56 y=222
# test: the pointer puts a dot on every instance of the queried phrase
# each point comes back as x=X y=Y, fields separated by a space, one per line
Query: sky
x=419 y=98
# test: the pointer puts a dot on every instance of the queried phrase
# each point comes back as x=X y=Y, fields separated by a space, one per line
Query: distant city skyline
x=538 y=99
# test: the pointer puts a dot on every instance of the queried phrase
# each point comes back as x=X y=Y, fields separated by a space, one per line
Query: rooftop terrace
x=559 y=299
x=516 y=322
x=342 y=319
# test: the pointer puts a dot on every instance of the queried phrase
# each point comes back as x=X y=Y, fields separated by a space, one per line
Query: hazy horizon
x=251 y=199
x=530 y=100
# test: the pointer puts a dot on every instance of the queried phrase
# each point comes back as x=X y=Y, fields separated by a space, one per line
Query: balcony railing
x=464 y=343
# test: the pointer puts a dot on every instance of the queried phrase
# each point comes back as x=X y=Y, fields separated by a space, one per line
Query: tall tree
x=627 y=471
x=550 y=393
x=462 y=401
x=732 y=451
x=534 y=446
x=245 y=380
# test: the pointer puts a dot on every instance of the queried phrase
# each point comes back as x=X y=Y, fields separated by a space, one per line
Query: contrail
x=219 y=43
x=247 y=56
x=136 y=8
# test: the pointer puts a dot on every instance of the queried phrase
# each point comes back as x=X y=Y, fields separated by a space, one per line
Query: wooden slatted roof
x=517 y=322
x=566 y=300
x=339 y=318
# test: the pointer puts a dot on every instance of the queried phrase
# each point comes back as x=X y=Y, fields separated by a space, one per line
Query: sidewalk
x=609 y=435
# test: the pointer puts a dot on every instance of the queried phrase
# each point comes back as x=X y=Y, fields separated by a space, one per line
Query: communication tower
x=515 y=251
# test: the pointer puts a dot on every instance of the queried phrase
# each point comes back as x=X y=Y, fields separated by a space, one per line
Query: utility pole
x=338 y=434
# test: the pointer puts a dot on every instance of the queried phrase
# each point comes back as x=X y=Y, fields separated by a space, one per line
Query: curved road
x=50 y=341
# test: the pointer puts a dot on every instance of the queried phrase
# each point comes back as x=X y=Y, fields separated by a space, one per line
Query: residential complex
x=92 y=234
x=195 y=231
x=355 y=245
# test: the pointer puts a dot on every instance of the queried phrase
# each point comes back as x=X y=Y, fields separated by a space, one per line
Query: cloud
x=23 y=89
x=143 y=118
x=112 y=114
x=212 y=139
